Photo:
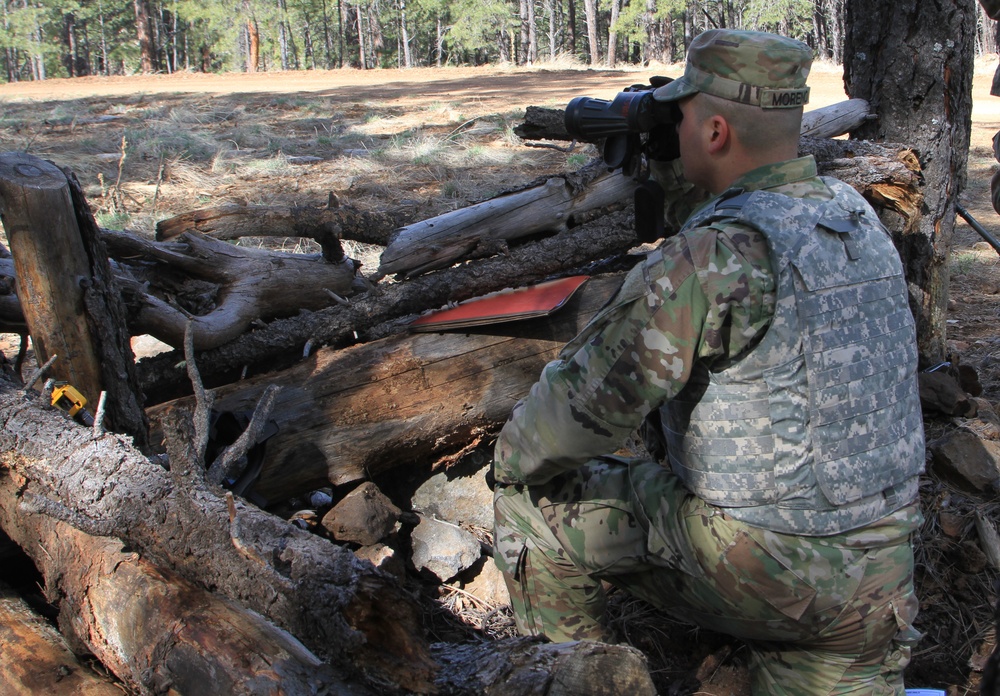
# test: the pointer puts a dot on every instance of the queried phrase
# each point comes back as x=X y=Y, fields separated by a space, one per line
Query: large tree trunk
x=74 y=311
x=912 y=61
x=36 y=659
x=341 y=608
x=152 y=629
x=144 y=32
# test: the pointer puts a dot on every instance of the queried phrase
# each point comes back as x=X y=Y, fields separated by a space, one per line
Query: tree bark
x=912 y=61
x=341 y=608
x=325 y=225
x=75 y=309
x=594 y=50
x=152 y=629
x=144 y=32
x=356 y=413
x=37 y=660
x=483 y=229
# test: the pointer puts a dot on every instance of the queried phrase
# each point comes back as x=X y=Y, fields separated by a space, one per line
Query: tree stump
x=52 y=266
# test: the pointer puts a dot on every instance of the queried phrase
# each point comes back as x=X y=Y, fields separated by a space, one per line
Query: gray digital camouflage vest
x=818 y=430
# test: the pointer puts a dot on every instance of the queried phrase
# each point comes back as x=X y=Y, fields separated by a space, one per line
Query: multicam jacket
x=705 y=298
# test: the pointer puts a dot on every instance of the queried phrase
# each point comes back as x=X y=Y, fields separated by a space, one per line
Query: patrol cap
x=751 y=67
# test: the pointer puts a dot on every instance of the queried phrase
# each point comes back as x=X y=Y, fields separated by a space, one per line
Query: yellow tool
x=69 y=399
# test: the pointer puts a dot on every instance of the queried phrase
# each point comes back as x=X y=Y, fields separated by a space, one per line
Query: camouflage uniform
x=826 y=612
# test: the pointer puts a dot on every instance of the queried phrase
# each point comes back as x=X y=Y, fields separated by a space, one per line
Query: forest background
x=40 y=39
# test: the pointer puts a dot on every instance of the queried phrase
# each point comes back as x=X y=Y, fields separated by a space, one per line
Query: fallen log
x=483 y=229
x=387 y=309
x=341 y=608
x=837 y=119
x=153 y=630
x=245 y=285
x=222 y=288
x=327 y=225
x=37 y=660
x=355 y=413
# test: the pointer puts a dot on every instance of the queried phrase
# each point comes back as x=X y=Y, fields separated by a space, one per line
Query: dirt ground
x=147 y=148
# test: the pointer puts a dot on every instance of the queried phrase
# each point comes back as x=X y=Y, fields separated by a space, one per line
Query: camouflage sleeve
x=701 y=296
x=681 y=197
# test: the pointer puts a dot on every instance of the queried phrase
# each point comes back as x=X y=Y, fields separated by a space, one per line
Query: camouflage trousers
x=820 y=615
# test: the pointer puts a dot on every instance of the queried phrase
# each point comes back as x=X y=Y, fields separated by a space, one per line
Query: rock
x=951 y=524
x=940 y=391
x=442 y=548
x=986 y=424
x=968 y=378
x=485 y=582
x=365 y=516
x=459 y=495
x=605 y=671
x=146 y=346
x=383 y=557
x=966 y=461
x=321 y=498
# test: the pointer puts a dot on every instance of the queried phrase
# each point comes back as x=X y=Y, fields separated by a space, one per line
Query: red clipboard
x=505 y=305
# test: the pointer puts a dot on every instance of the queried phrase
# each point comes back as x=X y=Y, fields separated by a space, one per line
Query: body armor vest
x=818 y=429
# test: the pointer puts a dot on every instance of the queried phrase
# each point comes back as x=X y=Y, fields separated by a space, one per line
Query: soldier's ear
x=717 y=134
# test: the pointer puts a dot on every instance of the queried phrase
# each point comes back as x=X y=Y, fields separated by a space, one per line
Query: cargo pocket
x=905 y=609
x=768 y=578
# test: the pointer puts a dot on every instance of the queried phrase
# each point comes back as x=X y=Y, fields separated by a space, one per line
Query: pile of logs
x=155 y=530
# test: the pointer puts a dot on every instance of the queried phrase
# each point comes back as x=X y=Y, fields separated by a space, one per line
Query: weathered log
x=153 y=630
x=325 y=225
x=74 y=308
x=350 y=414
x=836 y=119
x=252 y=284
x=341 y=608
x=483 y=228
x=233 y=286
x=387 y=310
x=37 y=660
x=52 y=267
